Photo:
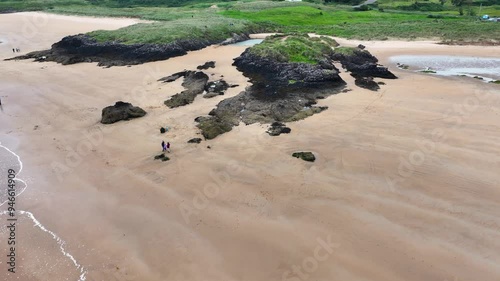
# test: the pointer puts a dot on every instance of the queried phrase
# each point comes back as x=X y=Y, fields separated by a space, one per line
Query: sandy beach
x=405 y=185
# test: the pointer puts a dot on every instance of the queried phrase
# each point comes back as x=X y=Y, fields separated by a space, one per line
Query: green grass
x=187 y=19
x=293 y=48
x=371 y=24
x=203 y=27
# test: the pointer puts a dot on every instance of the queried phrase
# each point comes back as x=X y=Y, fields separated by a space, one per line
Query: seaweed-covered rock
x=194 y=82
x=163 y=130
x=207 y=65
x=215 y=88
x=278 y=128
x=306 y=156
x=121 y=111
x=194 y=140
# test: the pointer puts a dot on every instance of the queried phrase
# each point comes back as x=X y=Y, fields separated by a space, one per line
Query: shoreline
x=261 y=195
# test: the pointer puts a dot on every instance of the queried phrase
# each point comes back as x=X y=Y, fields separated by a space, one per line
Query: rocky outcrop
x=278 y=128
x=121 y=111
x=194 y=82
x=306 y=156
x=363 y=66
x=280 y=92
x=83 y=48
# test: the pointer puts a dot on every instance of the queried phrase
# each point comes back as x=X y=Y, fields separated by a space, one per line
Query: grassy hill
x=178 y=19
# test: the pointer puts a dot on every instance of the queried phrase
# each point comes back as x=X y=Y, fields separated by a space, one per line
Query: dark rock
x=215 y=88
x=159 y=156
x=121 y=111
x=194 y=82
x=233 y=85
x=362 y=63
x=174 y=76
x=207 y=65
x=208 y=146
x=83 y=48
x=306 y=156
x=362 y=47
x=162 y=130
x=381 y=83
x=278 y=128
x=370 y=70
x=366 y=82
x=194 y=140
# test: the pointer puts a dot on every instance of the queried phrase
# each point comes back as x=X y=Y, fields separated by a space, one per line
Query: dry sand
x=405 y=185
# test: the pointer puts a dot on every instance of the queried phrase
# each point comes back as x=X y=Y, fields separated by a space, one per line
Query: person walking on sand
x=163 y=146
x=13 y=50
x=168 y=147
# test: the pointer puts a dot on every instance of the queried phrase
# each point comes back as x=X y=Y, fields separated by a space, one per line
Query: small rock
x=194 y=140
x=306 y=156
x=208 y=146
x=278 y=128
x=162 y=130
x=366 y=83
x=207 y=65
x=362 y=47
x=381 y=83
x=160 y=156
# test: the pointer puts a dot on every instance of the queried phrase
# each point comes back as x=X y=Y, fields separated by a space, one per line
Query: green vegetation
x=210 y=28
x=371 y=24
x=185 y=19
x=293 y=48
x=427 y=71
x=495 y=82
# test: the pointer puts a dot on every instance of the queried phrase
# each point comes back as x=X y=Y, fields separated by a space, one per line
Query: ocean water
x=487 y=68
x=249 y=43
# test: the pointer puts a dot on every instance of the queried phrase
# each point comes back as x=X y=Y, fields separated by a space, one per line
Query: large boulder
x=121 y=111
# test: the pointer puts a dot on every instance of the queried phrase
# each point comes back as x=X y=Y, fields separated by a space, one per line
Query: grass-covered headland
x=447 y=20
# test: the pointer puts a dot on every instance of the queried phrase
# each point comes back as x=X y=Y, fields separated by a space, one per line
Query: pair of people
x=16 y=50
x=165 y=146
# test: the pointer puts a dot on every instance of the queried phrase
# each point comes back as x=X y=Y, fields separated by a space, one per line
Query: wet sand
x=405 y=185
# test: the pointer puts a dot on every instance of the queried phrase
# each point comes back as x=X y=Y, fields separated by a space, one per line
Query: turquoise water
x=250 y=42
x=487 y=68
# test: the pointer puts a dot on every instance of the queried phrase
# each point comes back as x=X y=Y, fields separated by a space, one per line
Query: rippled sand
x=405 y=185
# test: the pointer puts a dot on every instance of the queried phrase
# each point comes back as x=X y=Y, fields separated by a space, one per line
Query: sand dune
x=405 y=185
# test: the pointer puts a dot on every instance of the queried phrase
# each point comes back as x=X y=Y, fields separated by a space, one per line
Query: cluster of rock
x=278 y=128
x=83 y=48
x=120 y=111
x=363 y=67
x=195 y=83
x=280 y=91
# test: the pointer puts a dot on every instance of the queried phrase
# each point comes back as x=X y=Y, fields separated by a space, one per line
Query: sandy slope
x=405 y=187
